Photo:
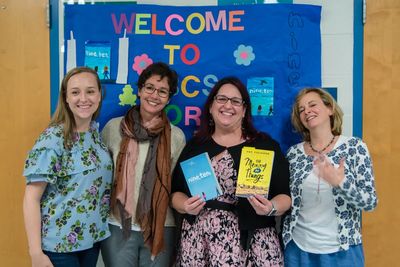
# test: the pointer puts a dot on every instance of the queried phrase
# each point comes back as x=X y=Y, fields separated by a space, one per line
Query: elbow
x=371 y=205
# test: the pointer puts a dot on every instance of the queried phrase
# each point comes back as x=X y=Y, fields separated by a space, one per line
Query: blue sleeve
x=43 y=163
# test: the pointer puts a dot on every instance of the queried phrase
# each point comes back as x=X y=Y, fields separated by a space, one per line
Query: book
x=261 y=91
x=200 y=177
x=98 y=57
x=255 y=169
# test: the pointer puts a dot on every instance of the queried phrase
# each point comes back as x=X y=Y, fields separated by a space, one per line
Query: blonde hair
x=336 y=118
x=63 y=114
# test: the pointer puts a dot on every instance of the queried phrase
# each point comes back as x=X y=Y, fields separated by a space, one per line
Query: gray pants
x=132 y=252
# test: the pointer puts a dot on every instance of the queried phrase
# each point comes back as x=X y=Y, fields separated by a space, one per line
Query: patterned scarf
x=151 y=208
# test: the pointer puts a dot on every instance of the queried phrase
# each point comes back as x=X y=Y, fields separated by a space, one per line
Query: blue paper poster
x=279 y=42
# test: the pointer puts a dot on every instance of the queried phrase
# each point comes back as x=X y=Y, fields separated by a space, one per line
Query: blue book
x=200 y=177
x=261 y=91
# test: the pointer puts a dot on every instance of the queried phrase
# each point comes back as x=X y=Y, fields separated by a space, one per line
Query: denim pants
x=83 y=258
x=295 y=257
x=119 y=252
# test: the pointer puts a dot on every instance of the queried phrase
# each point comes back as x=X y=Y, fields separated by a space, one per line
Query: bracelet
x=273 y=210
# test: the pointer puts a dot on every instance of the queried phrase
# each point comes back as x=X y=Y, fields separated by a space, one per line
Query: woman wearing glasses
x=145 y=147
x=230 y=231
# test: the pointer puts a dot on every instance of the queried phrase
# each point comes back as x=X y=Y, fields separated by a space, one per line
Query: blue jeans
x=83 y=258
x=119 y=252
x=295 y=257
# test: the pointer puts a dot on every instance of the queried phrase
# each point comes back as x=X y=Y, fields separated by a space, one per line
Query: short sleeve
x=43 y=163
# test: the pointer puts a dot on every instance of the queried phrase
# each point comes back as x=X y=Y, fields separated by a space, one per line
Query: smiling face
x=151 y=104
x=83 y=97
x=313 y=112
x=227 y=116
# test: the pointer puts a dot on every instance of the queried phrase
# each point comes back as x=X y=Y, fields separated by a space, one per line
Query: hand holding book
x=200 y=177
x=193 y=205
x=255 y=170
x=261 y=205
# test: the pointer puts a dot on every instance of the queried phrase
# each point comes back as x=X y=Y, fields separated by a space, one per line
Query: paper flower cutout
x=141 y=62
x=244 y=55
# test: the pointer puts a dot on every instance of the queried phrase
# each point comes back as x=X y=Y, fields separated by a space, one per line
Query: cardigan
x=355 y=193
x=248 y=218
x=112 y=138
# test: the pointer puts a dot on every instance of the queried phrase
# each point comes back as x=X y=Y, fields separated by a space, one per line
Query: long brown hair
x=336 y=118
x=63 y=114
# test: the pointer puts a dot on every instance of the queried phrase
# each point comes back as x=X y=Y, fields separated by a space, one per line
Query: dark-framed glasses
x=162 y=92
x=235 y=101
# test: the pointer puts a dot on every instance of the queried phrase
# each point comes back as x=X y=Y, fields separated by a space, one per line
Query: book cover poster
x=98 y=57
x=200 y=177
x=255 y=171
x=261 y=91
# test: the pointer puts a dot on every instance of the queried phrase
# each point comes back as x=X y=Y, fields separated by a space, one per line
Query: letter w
x=122 y=21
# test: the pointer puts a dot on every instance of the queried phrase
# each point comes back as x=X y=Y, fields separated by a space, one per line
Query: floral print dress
x=214 y=238
x=75 y=203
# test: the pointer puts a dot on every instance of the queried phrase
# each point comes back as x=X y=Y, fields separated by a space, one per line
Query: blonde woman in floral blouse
x=331 y=182
x=68 y=174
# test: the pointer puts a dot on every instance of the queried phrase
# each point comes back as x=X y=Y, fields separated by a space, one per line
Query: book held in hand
x=255 y=169
x=200 y=177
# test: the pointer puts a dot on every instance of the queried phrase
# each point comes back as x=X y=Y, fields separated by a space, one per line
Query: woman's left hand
x=260 y=204
x=327 y=171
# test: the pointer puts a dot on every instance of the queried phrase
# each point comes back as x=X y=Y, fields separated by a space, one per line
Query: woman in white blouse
x=331 y=182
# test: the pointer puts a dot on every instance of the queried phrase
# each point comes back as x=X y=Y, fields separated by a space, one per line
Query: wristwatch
x=273 y=210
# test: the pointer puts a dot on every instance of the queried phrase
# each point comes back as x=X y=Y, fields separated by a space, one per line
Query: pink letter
x=195 y=116
x=220 y=20
x=168 y=24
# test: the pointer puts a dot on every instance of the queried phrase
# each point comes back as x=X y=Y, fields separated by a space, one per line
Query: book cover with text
x=261 y=91
x=200 y=177
x=255 y=169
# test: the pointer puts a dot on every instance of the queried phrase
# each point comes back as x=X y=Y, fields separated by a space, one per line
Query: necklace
x=318 y=197
x=322 y=150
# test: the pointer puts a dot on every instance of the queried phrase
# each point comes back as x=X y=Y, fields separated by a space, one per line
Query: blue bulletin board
x=274 y=49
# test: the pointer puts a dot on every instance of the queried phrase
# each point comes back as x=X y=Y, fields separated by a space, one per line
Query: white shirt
x=316 y=228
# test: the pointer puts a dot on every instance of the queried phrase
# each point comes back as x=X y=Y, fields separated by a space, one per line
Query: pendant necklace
x=322 y=150
x=318 y=197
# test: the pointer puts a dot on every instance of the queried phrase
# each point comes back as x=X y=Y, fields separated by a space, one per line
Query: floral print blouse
x=75 y=203
x=356 y=193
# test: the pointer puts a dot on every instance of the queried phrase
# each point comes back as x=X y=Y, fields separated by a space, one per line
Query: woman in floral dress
x=230 y=231
x=68 y=174
x=331 y=182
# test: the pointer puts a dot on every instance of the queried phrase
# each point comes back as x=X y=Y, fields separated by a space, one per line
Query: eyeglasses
x=235 y=101
x=162 y=92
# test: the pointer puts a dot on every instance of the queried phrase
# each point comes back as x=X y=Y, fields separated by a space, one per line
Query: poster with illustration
x=279 y=43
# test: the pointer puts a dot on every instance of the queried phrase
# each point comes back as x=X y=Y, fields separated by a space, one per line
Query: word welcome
x=175 y=24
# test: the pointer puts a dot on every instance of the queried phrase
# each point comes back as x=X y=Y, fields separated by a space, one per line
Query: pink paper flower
x=141 y=62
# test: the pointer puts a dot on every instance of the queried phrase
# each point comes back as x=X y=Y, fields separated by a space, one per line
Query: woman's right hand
x=40 y=260
x=193 y=205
